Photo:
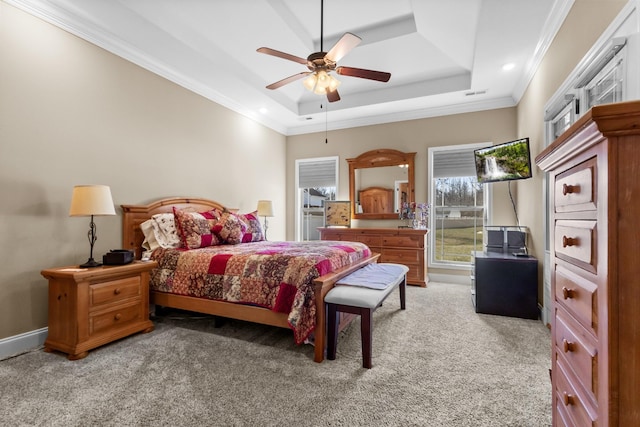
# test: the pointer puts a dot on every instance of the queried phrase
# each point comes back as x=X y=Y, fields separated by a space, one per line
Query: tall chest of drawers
x=396 y=245
x=594 y=173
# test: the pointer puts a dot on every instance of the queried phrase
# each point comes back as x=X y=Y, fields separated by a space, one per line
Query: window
x=607 y=86
x=316 y=181
x=458 y=206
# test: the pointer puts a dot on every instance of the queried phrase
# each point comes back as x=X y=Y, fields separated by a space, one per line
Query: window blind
x=452 y=163
x=317 y=173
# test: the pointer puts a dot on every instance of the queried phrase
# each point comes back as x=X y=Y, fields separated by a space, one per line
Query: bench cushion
x=360 y=296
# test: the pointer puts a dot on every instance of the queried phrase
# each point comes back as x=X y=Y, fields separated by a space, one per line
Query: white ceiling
x=445 y=56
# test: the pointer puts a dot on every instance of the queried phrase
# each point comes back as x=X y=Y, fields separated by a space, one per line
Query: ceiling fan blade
x=333 y=96
x=347 y=42
x=288 y=80
x=380 y=76
x=273 y=52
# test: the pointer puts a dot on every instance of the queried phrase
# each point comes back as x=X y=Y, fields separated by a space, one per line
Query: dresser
x=594 y=173
x=395 y=245
x=90 y=307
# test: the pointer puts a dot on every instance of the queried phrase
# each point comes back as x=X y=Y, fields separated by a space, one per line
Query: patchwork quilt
x=275 y=275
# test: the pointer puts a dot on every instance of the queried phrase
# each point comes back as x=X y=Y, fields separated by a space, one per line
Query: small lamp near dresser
x=265 y=210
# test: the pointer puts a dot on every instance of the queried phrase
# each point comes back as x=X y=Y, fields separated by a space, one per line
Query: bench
x=361 y=293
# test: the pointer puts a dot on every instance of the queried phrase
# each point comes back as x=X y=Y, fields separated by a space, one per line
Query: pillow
x=230 y=228
x=254 y=231
x=195 y=228
x=150 y=242
x=160 y=232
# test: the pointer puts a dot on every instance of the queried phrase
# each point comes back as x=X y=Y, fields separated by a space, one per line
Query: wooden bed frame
x=132 y=239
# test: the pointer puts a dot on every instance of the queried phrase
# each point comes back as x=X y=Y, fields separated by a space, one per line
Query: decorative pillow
x=150 y=242
x=254 y=231
x=230 y=228
x=195 y=228
x=160 y=232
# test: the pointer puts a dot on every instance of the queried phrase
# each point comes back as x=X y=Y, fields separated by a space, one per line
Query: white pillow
x=160 y=232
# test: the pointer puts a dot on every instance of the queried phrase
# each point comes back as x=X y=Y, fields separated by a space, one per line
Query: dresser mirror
x=379 y=181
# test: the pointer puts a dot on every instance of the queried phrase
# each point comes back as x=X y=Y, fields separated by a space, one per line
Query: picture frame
x=337 y=213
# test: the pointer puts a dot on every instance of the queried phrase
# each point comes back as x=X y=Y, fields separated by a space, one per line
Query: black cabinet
x=505 y=284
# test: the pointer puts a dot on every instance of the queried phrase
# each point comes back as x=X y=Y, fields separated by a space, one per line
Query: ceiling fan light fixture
x=320 y=64
x=321 y=82
x=310 y=82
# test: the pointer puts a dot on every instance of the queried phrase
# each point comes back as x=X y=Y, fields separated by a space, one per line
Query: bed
x=307 y=300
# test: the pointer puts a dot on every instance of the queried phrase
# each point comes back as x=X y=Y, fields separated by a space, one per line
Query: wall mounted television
x=504 y=162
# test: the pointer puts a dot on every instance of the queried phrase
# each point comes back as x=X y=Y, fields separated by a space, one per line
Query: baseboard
x=18 y=344
x=450 y=278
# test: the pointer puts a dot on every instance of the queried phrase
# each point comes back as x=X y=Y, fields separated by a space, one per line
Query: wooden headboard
x=134 y=215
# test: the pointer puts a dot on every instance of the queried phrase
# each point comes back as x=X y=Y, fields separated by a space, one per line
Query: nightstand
x=90 y=307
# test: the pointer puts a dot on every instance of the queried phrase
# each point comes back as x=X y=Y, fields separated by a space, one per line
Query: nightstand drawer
x=114 y=290
x=115 y=318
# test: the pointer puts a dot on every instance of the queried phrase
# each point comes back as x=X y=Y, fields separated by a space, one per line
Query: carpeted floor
x=438 y=363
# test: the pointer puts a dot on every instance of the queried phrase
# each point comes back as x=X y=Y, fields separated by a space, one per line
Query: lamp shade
x=265 y=208
x=89 y=200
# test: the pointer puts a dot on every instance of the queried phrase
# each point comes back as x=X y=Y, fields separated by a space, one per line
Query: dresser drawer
x=403 y=241
x=578 y=350
x=575 y=242
x=578 y=296
x=114 y=291
x=575 y=189
x=562 y=419
x=401 y=256
x=369 y=240
x=114 y=318
x=571 y=399
x=415 y=273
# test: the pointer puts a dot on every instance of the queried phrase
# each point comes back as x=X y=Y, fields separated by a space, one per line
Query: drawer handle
x=569 y=241
x=568 y=398
x=567 y=293
x=567 y=346
x=569 y=189
x=117 y=316
x=117 y=291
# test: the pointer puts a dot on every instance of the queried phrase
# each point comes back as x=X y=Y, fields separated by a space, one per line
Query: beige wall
x=72 y=113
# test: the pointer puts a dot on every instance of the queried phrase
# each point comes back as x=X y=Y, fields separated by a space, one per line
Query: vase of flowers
x=416 y=214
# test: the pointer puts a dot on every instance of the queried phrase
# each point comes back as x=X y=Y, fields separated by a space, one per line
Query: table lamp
x=91 y=200
x=265 y=209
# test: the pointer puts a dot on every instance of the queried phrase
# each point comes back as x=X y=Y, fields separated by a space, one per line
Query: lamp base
x=90 y=264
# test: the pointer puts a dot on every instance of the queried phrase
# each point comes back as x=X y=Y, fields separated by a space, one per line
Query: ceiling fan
x=321 y=64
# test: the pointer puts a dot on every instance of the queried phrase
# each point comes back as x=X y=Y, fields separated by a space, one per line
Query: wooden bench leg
x=366 y=332
x=332 y=331
x=403 y=293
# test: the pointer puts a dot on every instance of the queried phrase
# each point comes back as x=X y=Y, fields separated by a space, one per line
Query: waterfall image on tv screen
x=504 y=162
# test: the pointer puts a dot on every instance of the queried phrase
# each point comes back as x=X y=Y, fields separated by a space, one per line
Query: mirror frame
x=375 y=159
